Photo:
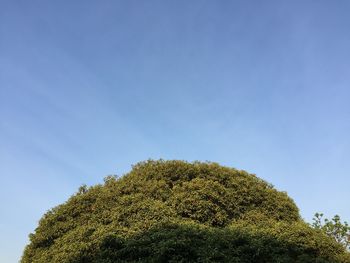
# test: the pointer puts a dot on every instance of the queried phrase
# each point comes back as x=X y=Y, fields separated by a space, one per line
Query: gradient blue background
x=88 y=88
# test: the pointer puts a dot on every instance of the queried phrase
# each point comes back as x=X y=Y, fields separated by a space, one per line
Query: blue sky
x=88 y=88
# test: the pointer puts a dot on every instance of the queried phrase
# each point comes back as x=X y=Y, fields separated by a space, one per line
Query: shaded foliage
x=174 y=211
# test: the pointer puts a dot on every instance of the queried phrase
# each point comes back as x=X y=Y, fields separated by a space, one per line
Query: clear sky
x=88 y=88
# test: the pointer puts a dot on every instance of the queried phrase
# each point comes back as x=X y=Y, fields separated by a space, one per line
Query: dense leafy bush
x=174 y=211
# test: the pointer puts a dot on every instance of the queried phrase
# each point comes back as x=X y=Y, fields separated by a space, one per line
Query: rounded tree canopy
x=175 y=211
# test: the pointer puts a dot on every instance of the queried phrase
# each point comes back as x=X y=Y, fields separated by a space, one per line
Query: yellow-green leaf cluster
x=175 y=211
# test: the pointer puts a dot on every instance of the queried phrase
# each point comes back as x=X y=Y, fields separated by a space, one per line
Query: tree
x=175 y=211
x=334 y=228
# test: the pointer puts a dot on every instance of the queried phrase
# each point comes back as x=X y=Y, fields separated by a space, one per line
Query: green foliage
x=334 y=228
x=174 y=211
